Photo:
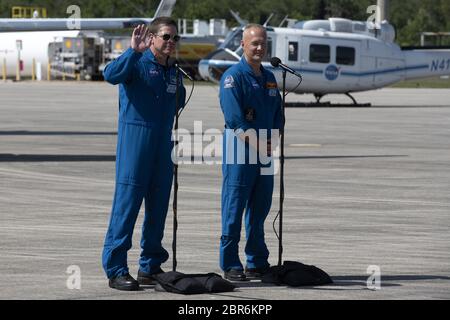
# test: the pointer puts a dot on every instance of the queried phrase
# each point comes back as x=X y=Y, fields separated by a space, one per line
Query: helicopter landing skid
x=327 y=103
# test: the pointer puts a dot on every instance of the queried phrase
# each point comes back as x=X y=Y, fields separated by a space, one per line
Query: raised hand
x=140 y=39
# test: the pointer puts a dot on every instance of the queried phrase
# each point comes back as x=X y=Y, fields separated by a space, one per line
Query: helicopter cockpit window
x=345 y=56
x=233 y=42
x=319 y=53
x=293 y=51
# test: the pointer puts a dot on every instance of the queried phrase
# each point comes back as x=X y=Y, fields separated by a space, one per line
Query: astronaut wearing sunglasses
x=144 y=168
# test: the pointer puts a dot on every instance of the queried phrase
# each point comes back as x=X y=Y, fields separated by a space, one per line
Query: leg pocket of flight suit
x=136 y=154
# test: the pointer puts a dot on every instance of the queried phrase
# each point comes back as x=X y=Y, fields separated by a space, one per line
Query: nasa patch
x=228 y=82
x=255 y=85
x=154 y=73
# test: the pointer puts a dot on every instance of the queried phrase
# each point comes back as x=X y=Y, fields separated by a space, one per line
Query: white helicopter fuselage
x=339 y=62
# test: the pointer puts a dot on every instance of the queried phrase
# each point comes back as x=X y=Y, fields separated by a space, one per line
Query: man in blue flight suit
x=144 y=169
x=251 y=103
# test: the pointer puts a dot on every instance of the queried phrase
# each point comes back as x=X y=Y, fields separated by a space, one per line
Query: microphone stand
x=280 y=212
x=175 y=165
x=175 y=176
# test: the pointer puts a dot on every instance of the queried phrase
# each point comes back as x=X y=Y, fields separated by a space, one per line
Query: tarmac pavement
x=364 y=187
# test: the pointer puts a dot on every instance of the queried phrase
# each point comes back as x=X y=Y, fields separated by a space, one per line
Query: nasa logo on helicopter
x=332 y=72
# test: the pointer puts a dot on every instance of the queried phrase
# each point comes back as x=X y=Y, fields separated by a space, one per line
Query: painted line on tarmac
x=305 y=145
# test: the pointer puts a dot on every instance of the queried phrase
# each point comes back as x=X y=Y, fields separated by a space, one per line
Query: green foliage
x=410 y=17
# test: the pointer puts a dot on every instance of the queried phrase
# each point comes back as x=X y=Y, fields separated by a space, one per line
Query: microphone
x=174 y=62
x=276 y=62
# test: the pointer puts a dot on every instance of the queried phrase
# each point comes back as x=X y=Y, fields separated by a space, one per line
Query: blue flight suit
x=144 y=168
x=248 y=102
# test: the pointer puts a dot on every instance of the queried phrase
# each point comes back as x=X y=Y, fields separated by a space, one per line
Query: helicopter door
x=347 y=61
x=316 y=56
x=331 y=62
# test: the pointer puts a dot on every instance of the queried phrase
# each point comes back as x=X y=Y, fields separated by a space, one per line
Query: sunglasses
x=166 y=37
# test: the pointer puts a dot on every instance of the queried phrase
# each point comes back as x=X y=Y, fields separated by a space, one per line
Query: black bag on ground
x=296 y=274
x=177 y=282
x=214 y=283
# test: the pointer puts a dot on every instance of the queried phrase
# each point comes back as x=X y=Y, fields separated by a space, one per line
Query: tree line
x=409 y=17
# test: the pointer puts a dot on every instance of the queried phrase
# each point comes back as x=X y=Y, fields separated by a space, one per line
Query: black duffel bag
x=296 y=274
x=181 y=283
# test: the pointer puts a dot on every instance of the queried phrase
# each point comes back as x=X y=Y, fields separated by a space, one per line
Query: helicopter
x=334 y=56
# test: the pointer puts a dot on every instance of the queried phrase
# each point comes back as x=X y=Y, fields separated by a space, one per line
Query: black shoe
x=147 y=279
x=256 y=273
x=125 y=282
x=235 y=275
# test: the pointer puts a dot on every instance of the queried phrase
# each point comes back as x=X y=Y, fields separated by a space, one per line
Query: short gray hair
x=255 y=26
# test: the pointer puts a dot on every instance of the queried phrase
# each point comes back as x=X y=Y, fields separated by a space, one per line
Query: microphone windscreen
x=274 y=61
